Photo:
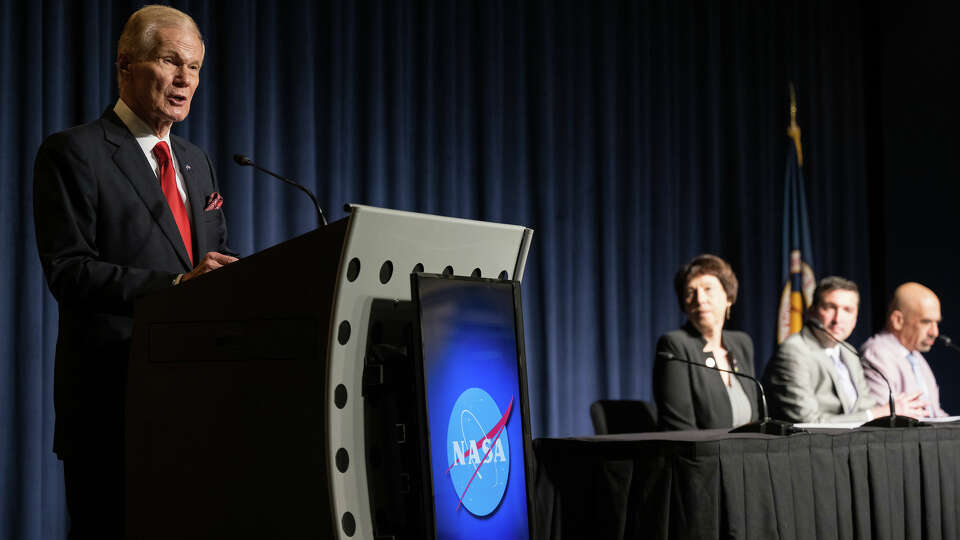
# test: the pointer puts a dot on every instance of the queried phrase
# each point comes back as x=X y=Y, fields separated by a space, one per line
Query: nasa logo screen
x=472 y=448
x=472 y=380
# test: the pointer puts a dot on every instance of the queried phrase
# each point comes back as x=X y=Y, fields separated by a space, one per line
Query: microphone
x=893 y=420
x=948 y=342
x=244 y=161
x=767 y=425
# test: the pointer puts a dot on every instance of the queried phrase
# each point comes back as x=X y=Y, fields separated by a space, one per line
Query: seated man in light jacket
x=912 y=327
x=814 y=379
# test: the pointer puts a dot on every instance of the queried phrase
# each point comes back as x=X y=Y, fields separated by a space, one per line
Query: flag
x=797 y=256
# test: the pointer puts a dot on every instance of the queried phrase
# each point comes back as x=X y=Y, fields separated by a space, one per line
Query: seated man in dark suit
x=812 y=378
x=122 y=208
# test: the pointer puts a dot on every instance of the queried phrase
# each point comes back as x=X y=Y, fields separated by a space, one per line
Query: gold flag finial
x=793 y=131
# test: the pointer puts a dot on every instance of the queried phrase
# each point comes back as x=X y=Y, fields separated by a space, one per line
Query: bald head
x=914 y=316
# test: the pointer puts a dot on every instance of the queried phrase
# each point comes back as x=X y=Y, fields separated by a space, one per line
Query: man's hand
x=211 y=261
x=907 y=405
x=911 y=405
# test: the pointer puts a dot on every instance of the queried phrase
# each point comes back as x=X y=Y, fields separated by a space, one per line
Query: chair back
x=623 y=416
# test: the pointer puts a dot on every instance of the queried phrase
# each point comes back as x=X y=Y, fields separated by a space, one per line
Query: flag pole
x=793 y=130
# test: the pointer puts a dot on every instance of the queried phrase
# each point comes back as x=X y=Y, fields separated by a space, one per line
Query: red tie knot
x=162 y=152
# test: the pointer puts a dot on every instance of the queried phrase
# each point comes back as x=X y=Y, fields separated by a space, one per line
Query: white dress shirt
x=843 y=373
x=147 y=140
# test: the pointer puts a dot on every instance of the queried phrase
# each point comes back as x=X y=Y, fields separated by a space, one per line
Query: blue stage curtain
x=630 y=135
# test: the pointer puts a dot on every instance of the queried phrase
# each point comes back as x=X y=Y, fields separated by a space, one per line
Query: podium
x=244 y=410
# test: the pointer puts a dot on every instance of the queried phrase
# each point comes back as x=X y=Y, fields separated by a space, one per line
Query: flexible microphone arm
x=766 y=425
x=894 y=420
x=246 y=162
x=819 y=326
x=948 y=342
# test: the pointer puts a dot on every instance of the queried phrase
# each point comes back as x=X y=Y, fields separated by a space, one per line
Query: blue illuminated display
x=474 y=408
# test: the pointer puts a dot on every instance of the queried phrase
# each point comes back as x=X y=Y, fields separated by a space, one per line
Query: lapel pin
x=187 y=167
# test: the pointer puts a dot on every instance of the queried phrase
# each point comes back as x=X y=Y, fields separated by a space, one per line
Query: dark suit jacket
x=695 y=398
x=106 y=236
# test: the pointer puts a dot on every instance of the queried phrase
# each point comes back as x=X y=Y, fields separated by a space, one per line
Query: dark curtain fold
x=630 y=135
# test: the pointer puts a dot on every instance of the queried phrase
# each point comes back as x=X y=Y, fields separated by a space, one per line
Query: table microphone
x=768 y=425
x=948 y=342
x=893 y=420
x=244 y=161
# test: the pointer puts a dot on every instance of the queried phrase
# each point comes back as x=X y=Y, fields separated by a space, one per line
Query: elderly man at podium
x=122 y=208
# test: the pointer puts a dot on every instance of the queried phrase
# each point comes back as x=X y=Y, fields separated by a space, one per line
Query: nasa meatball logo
x=478 y=451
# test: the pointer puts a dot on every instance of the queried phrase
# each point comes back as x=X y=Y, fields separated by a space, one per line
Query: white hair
x=138 y=38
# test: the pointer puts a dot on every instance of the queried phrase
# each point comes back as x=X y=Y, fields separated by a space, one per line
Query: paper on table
x=829 y=425
x=854 y=425
x=940 y=420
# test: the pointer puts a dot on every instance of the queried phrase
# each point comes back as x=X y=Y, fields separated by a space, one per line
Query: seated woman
x=690 y=397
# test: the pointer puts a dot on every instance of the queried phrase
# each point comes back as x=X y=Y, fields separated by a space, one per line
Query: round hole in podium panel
x=343 y=334
x=386 y=272
x=348 y=524
x=353 y=269
x=340 y=396
x=343 y=460
x=475 y=273
x=417 y=268
x=504 y=275
x=448 y=271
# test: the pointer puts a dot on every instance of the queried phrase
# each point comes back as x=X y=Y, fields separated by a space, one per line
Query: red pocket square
x=214 y=202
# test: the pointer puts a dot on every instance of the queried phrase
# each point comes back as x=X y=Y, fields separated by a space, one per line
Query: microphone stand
x=244 y=161
x=948 y=342
x=767 y=425
x=894 y=420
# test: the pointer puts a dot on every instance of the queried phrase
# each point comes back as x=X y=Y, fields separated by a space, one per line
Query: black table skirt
x=865 y=484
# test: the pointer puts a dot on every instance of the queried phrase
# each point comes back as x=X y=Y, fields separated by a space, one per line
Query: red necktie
x=168 y=182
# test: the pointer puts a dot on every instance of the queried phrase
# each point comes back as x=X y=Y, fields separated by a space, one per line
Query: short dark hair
x=830 y=284
x=701 y=265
